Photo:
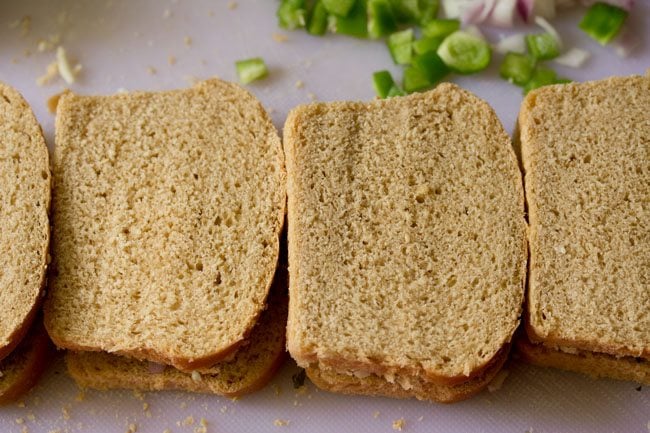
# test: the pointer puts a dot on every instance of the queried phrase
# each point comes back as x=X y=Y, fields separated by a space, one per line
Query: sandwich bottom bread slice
x=252 y=366
x=20 y=371
x=594 y=364
x=374 y=385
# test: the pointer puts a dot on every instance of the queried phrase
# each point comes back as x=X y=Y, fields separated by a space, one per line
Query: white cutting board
x=116 y=42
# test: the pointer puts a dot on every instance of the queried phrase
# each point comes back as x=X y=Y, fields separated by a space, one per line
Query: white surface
x=116 y=41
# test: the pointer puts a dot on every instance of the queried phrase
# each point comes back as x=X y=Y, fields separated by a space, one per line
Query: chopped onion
x=525 y=9
x=503 y=13
x=155 y=368
x=514 y=43
x=478 y=12
x=574 y=58
x=456 y=8
x=626 y=42
x=543 y=23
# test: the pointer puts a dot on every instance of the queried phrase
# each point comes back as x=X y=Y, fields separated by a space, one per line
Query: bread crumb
x=167 y=13
x=171 y=60
x=20 y=403
x=496 y=383
x=420 y=418
x=281 y=422
x=188 y=421
x=31 y=417
x=151 y=70
x=299 y=84
x=51 y=72
x=132 y=428
x=376 y=414
x=232 y=5
x=203 y=428
x=192 y=80
x=187 y=41
x=24 y=429
x=399 y=424
x=223 y=409
x=311 y=96
x=167 y=431
x=138 y=394
x=66 y=413
x=183 y=405
x=51 y=105
x=20 y=421
x=67 y=71
x=280 y=37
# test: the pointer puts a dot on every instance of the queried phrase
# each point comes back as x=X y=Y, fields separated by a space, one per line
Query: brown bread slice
x=24 y=225
x=593 y=364
x=20 y=371
x=407 y=238
x=374 y=385
x=168 y=207
x=586 y=155
x=252 y=367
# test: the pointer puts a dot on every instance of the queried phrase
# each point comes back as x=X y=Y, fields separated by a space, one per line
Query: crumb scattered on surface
x=311 y=96
x=375 y=414
x=20 y=403
x=171 y=60
x=20 y=421
x=232 y=5
x=280 y=37
x=31 y=417
x=399 y=424
x=51 y=72
x=151 y=70
x=187 y=40
x=132 y=428
x=51 y=105
x=183 y=405
x=420 y=418
x=138 y=394
x=167 y=13
x=281 y=422
x=188 y=421
x=66 y=412
x=299 y=84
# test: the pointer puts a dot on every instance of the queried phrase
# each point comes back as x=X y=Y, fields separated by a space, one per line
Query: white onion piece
x=514 y=43
x=456 y=8
x=626 y=42
x=155 y=368
x=478 y=12
x=525 y=9
x=474 y=31
x=574 y=58
x=543 y=23
x=503 y=13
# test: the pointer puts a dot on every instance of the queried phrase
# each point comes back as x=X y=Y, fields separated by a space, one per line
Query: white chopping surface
x=132 y=45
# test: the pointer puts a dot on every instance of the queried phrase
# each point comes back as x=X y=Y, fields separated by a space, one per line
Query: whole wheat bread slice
x=24 y=225
x=593 y=364
x=22 y=369
x=374 y=385
x=167 y=210
x=252 y=367
x=407 y=238
x=586 y=155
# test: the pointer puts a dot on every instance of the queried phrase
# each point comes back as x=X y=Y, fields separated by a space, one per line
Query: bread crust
x=309 y=356
x=376 y=386
x=526 y=125
x=36 y=351
x=149 y=352
x=31 y=127
x=593 y=364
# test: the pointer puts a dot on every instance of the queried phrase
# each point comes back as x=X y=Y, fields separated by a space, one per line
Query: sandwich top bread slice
x=167 y=210
x=20 y=371
x=24 y=225
x=586 y=155
x=252 y=367
x=407 y=238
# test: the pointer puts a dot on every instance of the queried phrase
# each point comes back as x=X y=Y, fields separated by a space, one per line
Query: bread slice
x=24 y=225
x=586 y=153
x=252 y=367
x=374 y=385
x=593 y=364
x=20 y=371
x=407 y=238
x=168 y=209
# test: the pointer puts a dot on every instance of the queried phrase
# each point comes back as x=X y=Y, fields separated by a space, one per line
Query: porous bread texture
x=407 y=237
x=252 y=367
x=25 y=365
x=586 y=155
x=24 y=224
x=373 y=385
x=167 y=210
x=593 y=364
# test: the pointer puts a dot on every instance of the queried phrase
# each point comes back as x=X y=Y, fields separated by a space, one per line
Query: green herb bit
x=354 y=24
x=543 y=46
x=400 y=45
x=543 y=76
x=465 y=53
x=291 y=14
x=415 y=80
x=381 y=20
x=340 y=7
x=440 y=28
x=317 y=22
x=432 y=66
x=383 y=82
x=517 y=68
x=603 y=21
x=250 y=70
x=425 y=45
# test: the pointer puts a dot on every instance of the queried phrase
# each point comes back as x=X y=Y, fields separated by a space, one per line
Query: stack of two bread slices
x=24 y=240
x=407 y=244
x=167 y=213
